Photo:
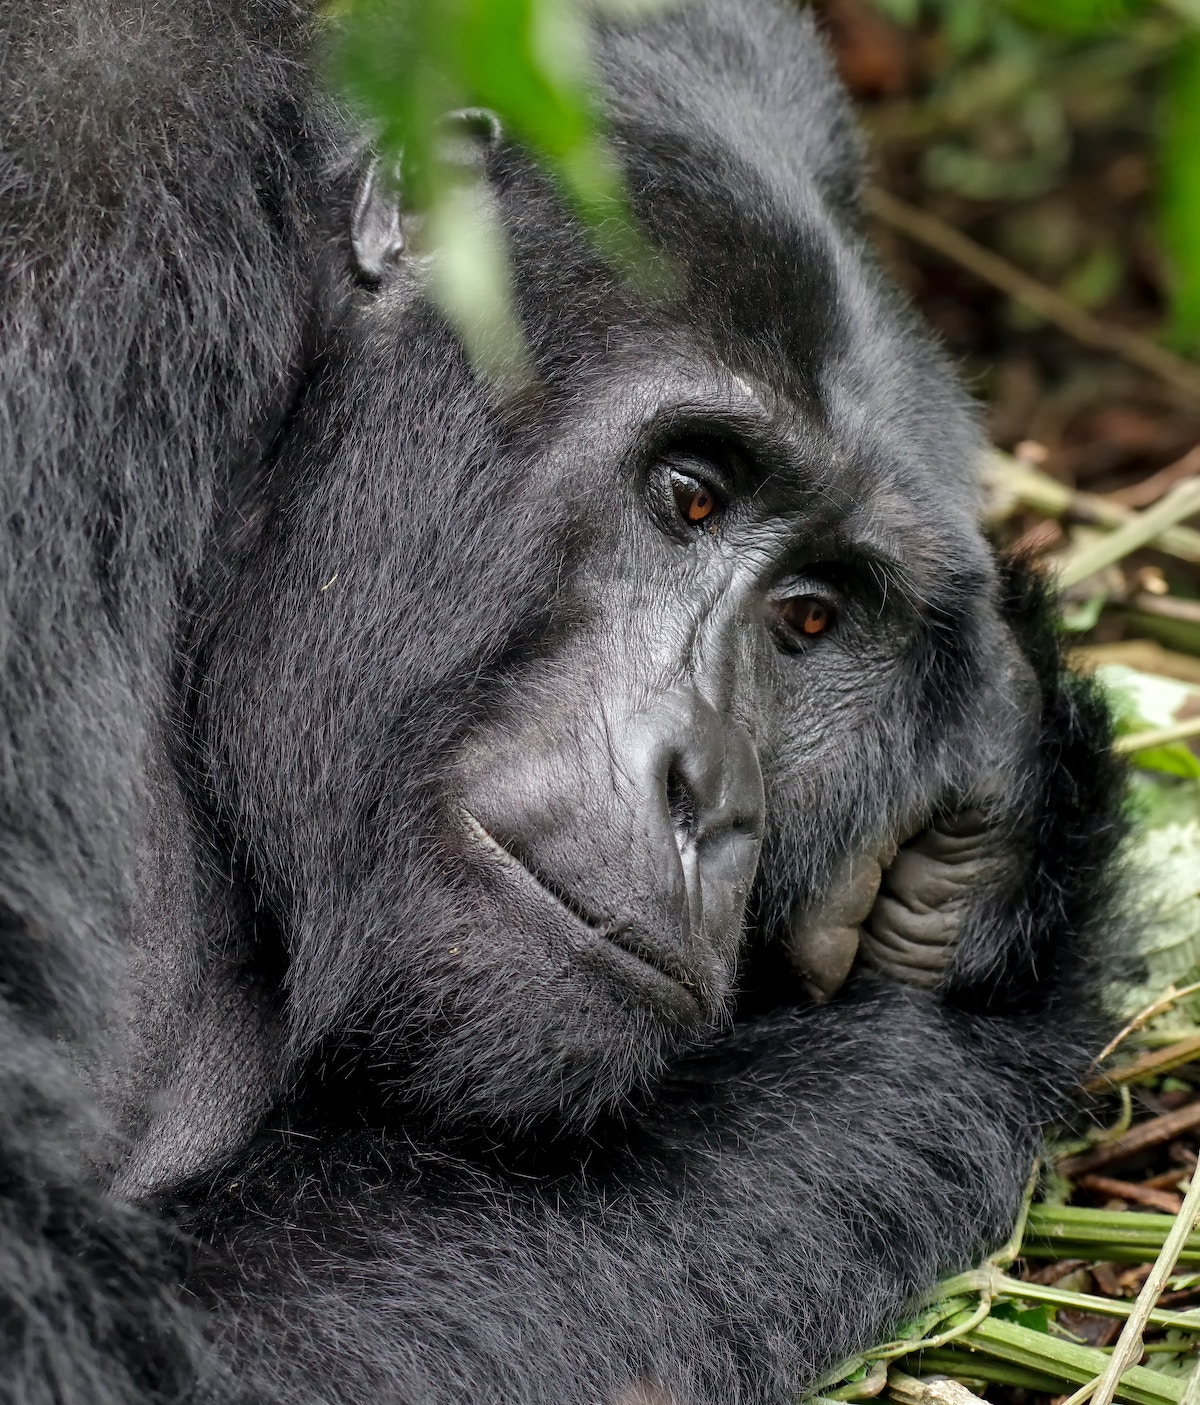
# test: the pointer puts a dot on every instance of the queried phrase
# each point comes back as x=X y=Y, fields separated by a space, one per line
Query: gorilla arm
x=783 y=1201
x=152 y=195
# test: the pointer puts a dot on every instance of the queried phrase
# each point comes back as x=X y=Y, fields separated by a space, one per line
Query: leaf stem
x=1128 y=1350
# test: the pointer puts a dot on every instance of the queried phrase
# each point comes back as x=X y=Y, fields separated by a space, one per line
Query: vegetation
x=407 y=63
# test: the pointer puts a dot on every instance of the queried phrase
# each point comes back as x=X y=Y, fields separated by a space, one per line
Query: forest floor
x=1012 y=195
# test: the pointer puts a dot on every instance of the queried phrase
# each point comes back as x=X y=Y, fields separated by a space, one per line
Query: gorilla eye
x=696 y=501
x=806 y=615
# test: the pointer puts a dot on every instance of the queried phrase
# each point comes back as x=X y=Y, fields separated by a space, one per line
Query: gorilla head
x=520 y=700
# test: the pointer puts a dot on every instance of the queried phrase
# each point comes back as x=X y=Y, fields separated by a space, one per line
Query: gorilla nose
x=708 y=807
x=642 y=816
x=708 y=768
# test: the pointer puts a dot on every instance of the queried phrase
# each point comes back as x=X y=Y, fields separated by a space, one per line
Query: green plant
x=404 y=64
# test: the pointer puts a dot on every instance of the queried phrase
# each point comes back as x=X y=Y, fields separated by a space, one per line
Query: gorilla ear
x=470 y=133
x=377 y=235
x=376 y=231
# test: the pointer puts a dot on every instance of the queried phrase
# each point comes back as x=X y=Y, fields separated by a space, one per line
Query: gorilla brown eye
x=695 y=500
x=806 y=615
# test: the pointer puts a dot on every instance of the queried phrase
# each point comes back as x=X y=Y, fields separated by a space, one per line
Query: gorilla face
x=613 y=800
x=519 y=703
x=685 y=625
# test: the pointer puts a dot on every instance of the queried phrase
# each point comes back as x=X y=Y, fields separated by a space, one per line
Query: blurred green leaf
x=1092 y=283
x=404 y=64
x=1074 y=16
x=1179 y=191
x=965 y=24
x=1174 y=759
x=905 y=12
x=1169 y=860
x=1079 y=618
x=1164 y=848
x=1143 y=701
x=408 y=62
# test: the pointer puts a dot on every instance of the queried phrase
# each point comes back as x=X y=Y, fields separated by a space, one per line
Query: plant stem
x=1182 y=501
x=1128 y=1350
x=1158 y=736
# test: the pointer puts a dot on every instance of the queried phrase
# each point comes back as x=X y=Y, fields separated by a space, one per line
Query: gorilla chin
x=527 y=1015
x=580 y=1010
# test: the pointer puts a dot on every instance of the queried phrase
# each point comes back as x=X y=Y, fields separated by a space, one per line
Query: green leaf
x=404 y=64
x=1037 y=1318
x=1179 y=191
x=1144 y=701
x=1175 y=759
x=905 y=12
x=1075 y=16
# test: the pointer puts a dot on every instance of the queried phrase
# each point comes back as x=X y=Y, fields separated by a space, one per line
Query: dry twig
x=1139 y=1138
x=1128 y=1350
x=1053 y=306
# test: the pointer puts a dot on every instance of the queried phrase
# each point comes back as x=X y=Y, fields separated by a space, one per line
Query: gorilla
x=578 y=889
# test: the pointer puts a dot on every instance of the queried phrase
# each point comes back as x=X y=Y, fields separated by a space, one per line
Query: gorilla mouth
x=634 y=958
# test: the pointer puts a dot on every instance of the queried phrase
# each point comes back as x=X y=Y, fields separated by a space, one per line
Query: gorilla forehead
x=738 y=161
x=749 y=80
x=742 y=169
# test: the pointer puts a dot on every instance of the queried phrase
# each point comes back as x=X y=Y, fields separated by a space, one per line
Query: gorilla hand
x=928 y=891
x=902 y=910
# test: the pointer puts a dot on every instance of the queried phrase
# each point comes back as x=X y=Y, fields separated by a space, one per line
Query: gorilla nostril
x=681 y=803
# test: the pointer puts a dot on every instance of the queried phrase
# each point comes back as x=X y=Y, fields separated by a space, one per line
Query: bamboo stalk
x=1128 y=1349
x=1038 y=1351
x=1182 y=501
x=1017 y=1290
x=953 y=1362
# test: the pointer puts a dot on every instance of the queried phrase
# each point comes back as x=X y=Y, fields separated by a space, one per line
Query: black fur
x=296 y=1104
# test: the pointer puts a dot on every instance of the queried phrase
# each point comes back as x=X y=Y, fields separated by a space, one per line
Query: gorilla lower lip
x=620 y=957
x=630 y=953
x=628 y=943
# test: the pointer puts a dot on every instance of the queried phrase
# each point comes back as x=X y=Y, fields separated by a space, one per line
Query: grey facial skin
x=660 y=890
x=683 y=674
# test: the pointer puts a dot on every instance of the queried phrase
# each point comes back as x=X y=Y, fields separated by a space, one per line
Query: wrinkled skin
x=904 y=909
x=569 y=888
